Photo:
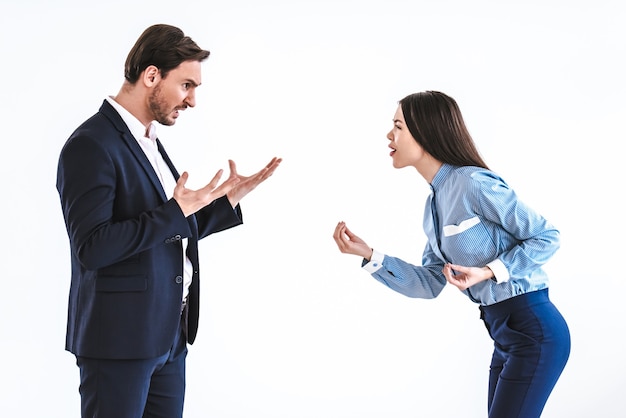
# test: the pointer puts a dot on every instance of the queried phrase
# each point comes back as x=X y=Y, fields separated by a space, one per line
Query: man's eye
x=186 y=86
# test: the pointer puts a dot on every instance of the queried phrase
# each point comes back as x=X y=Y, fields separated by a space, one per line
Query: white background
x=291 y=328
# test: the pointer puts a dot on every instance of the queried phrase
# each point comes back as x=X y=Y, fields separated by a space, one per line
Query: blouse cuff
x=500 y=272
x=375 y=263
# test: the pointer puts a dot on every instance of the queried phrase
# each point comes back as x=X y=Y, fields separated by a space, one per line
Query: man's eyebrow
x=192 y=82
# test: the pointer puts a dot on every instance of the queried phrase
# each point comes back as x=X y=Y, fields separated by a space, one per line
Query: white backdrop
x=291 y=328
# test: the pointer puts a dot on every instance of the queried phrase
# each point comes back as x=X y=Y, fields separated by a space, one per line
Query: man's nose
x=191 y=99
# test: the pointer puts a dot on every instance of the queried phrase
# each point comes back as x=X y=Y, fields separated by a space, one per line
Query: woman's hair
x=435 y=121
x=163 y=46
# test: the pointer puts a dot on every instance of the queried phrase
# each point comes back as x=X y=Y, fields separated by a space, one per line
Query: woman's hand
x=463 y=277
x=349 y=243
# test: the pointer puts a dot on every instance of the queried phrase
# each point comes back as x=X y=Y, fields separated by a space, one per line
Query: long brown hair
x=163 y=46
x=435 y=121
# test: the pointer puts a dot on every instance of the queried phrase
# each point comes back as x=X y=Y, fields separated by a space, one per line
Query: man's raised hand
x=191 y=201
x=247 y=184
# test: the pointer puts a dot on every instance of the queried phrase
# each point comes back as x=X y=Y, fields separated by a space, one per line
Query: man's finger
x=232 y=167
x=216 y=178
x=225 y=187
x=182 y=179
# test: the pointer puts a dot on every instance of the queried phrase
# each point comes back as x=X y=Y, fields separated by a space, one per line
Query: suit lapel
x=134 y=147
x=145 y=164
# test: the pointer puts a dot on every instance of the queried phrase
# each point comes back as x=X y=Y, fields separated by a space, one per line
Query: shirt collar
x=441 y=176
x=137 y=129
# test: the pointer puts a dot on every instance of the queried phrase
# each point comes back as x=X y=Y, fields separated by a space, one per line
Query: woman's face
x=405 y=151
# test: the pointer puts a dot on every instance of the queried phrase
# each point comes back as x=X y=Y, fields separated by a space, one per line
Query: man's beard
x=159 y=108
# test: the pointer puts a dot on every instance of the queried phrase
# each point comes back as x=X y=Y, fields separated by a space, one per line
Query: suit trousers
x=531 y=348
x=142 y=388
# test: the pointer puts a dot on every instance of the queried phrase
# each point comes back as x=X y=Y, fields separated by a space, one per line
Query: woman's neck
x=428 y=167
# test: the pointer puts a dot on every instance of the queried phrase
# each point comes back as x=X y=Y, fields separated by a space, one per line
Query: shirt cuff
x=500 y=272
x=375 y=263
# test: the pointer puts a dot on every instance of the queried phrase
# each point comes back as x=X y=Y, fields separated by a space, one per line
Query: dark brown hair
x=163 y=46
x=435 y=121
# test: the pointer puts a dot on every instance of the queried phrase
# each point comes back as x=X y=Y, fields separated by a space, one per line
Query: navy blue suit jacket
x=125 y=241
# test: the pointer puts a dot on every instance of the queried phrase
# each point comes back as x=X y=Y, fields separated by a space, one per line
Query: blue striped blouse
x=479 y=222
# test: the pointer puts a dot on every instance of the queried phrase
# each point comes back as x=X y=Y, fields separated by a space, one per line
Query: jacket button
x=177 y=237
x=179 y=279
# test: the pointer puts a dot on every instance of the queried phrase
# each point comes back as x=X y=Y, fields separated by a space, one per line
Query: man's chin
x=167 y=121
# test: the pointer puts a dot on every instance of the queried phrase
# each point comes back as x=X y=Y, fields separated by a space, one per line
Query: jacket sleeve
x=109 y=214
x=218 y=216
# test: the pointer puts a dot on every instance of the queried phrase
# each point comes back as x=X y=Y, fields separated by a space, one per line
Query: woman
x=483 y=240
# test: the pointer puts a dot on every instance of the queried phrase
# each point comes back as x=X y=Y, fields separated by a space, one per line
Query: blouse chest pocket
x=468 y=243
x=450 y=230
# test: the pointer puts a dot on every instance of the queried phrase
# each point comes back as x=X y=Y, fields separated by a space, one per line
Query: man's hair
x=163 y=46
x=435 y=122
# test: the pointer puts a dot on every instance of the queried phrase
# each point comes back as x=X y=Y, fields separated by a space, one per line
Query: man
x=133 y=229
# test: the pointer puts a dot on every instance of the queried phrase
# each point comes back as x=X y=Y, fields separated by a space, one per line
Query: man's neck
x=131 y=99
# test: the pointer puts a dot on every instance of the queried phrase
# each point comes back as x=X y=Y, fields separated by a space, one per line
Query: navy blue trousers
x=531 y=348
x=148 y=388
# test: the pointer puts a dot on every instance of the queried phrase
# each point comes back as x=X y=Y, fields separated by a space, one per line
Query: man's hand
x=244 y=184
x=191 y=201
x=463 y=277
x=349 y=243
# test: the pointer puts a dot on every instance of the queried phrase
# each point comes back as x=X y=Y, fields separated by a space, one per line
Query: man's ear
x=151 y=76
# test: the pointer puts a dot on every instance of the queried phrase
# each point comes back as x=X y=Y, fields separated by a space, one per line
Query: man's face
x=175 y=92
